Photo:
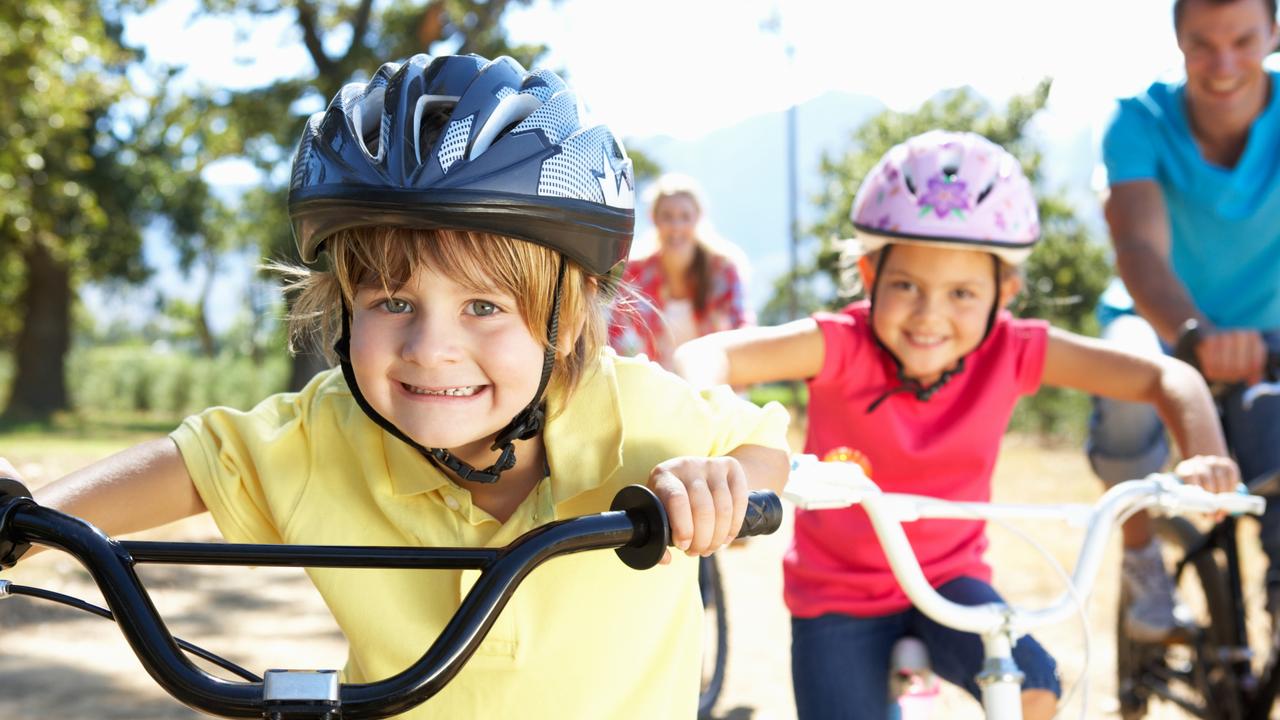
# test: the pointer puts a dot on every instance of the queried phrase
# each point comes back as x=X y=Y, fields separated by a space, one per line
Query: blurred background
x=145 y=147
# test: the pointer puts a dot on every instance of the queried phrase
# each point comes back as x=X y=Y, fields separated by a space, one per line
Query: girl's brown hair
x=388 y=257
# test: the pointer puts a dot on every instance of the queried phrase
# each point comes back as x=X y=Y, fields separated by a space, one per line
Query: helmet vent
x=430 y=116
x=510 y=111
x=911 y=185
x=367 y=122
x=985 y=192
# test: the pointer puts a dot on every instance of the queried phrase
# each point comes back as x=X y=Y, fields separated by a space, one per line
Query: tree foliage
x=1064 y=275
x=76 y=180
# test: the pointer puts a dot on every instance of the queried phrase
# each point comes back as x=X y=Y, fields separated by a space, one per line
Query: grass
x=83 y=434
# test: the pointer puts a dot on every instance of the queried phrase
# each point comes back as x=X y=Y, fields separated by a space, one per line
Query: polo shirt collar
x=583 y=438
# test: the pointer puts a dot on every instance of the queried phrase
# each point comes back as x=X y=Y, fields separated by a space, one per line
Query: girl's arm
x=752 y=355
x=142 y=487
x=1177 y=391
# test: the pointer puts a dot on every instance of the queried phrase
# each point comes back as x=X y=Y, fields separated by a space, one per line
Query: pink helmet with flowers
x=956 y=189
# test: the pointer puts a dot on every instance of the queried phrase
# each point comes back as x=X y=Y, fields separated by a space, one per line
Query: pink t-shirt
x=945 y=447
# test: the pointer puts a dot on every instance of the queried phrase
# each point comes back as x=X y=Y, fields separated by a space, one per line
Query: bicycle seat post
x=1000 y=679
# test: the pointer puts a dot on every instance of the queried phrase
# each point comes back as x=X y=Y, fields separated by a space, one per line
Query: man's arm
x=1139 y=223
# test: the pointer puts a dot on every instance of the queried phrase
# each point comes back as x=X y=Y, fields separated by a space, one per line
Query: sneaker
x=1150 y=615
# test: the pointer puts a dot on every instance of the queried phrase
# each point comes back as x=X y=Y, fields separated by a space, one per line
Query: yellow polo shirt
x=583 y=636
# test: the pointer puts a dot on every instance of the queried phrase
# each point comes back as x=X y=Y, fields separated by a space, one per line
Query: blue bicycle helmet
x=461 y=142
x=465 y=143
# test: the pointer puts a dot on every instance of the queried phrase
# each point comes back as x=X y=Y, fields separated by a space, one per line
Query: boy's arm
x=142 y=487
x=752 y=355
x=1177 y=391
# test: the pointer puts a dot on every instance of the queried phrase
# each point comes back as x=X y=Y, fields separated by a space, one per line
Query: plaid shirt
x=638 y=326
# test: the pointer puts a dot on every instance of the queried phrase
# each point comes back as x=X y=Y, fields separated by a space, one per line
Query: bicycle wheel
x=1193 y=670
x=715 y=648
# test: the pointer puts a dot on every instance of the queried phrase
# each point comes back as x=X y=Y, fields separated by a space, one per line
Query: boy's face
x=446 y=364
x=932 y=305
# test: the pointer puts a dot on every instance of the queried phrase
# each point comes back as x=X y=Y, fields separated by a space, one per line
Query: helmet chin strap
x=910 y=385
x=525 y=425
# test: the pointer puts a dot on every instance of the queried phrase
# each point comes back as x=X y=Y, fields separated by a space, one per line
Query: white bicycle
x=816 y=485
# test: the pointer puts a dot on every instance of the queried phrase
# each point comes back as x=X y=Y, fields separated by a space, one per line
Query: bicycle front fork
x=1000 y=679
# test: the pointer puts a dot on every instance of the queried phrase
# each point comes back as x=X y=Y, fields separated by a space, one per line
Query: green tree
x=1064 y=276
x=262 y=124
x=75 y=183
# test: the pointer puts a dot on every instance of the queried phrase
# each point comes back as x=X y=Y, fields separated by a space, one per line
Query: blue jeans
x=840 y=663
x=1127 y=440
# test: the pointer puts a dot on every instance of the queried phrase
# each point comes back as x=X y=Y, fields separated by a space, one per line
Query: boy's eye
x=395 y=306
x=481 y=308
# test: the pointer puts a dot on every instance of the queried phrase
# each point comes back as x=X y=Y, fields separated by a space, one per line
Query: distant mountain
x=743 y=170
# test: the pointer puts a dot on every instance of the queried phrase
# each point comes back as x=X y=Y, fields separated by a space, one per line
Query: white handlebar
x=816 y=485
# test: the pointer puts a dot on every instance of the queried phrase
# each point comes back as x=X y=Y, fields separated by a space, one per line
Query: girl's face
x=932 y=305
x=675 y=217
x=448 y=365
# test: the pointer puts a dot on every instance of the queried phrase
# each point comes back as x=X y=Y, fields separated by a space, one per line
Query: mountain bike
x=816 y=485
x=636 y=528
x=1208 y=667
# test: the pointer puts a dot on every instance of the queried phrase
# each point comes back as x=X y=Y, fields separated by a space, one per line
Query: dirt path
x=58 y=663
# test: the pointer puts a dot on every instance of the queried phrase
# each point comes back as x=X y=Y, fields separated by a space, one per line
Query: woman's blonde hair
x=388 y=257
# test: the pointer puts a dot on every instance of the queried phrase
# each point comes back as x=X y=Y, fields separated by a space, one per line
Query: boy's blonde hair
x=387 y=257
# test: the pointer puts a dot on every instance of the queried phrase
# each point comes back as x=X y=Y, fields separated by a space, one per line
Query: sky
x=685 y=68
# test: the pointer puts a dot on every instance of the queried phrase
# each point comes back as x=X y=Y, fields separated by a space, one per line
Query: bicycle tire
x=1215 y=628
x=715 y=621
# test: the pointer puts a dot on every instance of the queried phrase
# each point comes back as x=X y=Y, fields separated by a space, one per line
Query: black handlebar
x=636 y=527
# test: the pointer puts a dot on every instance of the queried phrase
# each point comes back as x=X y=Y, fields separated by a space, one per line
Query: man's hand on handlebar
x=1232 y=356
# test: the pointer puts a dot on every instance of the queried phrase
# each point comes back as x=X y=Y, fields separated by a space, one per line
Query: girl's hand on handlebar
x=1211 y=472
x=705 y=499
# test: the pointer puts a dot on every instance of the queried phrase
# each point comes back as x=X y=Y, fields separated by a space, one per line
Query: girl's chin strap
x=913 y=386
x=525 y=425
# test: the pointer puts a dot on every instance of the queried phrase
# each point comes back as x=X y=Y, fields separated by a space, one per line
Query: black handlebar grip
x=764 y=514
x=12 y=495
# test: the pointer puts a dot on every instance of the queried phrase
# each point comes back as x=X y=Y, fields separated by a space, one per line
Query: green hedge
x=135 y=378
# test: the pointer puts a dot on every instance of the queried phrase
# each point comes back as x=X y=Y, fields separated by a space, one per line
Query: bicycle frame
x=816 y=485
x=636 y=528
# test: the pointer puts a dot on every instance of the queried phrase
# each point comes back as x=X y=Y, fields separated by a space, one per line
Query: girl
x=689 y=285
x=918 y=384
x=471 y=223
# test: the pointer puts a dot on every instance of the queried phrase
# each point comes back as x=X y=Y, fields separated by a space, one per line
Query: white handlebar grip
x=816 y=485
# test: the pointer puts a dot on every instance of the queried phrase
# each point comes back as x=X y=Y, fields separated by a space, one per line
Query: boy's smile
x=932 y=305
x=447 y=364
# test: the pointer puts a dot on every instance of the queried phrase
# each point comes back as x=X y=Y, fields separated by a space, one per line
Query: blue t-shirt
x=1225 y=222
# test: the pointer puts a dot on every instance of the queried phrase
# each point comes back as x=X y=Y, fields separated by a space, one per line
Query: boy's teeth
x=453 y=392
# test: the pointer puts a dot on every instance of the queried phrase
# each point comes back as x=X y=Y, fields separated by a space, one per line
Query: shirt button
x=452 y=502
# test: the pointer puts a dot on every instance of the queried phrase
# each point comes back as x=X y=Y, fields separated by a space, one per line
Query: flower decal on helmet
x=945 y=195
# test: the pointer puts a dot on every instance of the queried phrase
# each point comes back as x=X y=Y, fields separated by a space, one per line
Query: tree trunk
x=39 y=383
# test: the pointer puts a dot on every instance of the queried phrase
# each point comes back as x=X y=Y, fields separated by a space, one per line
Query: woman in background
x=686 y=281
